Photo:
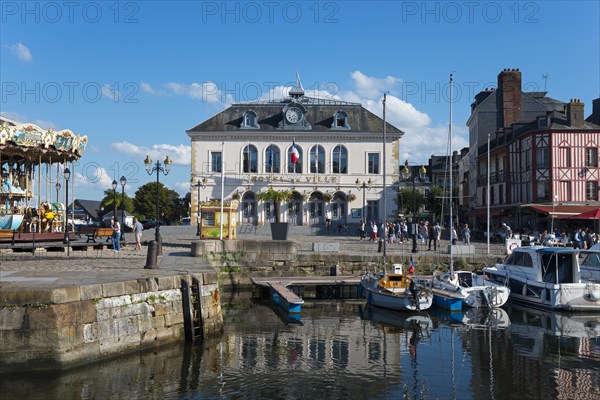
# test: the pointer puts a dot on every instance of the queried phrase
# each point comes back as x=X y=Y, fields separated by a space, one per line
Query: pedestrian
x=431 y=235
x=576 y=238
x=373 y=231
x=328 y=218
x=438 y=235
x=116 y=236
x=466 y=234
x=362 y=229
x=138 y=228
x=588 y=239
x=453 y=235
x=404 y=231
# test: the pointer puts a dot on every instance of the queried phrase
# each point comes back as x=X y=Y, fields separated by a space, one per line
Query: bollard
x=152 y=255
x=380 y=247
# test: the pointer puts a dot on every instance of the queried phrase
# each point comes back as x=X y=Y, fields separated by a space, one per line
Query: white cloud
x=147 y=88
x=182 y=187
x=21 y=52
x=369 y=86
x=92 y=176
x=179 y=154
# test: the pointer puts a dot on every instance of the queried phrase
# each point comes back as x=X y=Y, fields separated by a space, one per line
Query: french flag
x=295 y=153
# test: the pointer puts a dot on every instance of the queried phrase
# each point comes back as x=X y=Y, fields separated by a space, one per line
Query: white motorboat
x=396 y=291
x=590 y=266
x=546 y=277
x=474 y=290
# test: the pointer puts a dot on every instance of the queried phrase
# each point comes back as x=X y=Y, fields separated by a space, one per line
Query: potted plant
x=279 y=230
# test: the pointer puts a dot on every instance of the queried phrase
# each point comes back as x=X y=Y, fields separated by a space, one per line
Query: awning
x=494 y=212
x=593 y=214
x=563 y=211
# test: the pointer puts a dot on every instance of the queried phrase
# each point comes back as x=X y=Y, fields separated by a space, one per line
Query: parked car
x=148 y=223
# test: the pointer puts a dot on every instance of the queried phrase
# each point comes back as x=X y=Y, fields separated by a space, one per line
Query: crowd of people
x=429 y=233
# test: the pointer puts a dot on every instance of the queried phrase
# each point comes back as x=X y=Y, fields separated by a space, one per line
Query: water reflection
x=350 y=350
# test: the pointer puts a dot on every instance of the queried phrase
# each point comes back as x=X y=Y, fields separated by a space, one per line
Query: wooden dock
x=286 y=291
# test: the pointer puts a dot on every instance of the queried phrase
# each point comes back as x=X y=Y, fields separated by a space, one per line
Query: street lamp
x=364 y=186
x=201 y=184
x=165 y=170
x=553 y=205
x=114 y=188
x=123 y=181
x=67 y=175
x=57 y=186
x=407 y=176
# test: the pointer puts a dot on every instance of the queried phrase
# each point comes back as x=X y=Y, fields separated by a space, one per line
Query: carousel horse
x=46 y=217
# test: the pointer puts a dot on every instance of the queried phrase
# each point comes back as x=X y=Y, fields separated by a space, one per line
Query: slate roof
x=91 y=207
x=319 y=115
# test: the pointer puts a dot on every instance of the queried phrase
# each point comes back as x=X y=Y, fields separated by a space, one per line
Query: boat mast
x=451 y=160
x=384 y=230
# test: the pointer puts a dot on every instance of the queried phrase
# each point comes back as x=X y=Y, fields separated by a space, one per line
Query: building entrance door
x=373 y=210
x=295 y=209
x=249 y=209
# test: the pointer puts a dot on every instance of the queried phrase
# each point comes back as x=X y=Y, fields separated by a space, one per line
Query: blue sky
x=134 y=75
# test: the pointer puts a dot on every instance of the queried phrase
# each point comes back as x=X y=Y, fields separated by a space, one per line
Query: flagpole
x=384 y=233
x=222 y=191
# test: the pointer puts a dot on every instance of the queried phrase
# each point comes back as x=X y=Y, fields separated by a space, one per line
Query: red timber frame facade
x=540 y=168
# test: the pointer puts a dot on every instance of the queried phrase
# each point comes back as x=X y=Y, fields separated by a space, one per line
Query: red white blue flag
x=295 y=153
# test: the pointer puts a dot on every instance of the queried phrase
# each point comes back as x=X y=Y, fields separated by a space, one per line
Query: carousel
x=31 y=163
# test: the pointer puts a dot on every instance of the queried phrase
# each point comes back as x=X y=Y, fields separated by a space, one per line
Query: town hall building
x=337 y=146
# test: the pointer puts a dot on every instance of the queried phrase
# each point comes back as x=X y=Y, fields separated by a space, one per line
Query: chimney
x=595 y=117
x=575 y=113
x=509 y=92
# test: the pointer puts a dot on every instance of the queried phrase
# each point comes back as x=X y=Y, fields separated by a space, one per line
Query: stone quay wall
x=240 y=260
x=63 y=327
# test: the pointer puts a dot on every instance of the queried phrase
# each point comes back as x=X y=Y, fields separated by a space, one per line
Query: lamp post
x=201 y=184
x=123 y=181
x=553 y=205
x=408 y=176
x=67 y=175
x=114 y=188
x=165 y=168
x=364 y=186
x=57 y=186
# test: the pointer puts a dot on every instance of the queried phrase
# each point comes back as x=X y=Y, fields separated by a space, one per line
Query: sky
x=135 y=75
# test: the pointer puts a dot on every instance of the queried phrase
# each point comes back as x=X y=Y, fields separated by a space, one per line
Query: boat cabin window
x=465 y=279
x=557 y=268
x=521 y=259
x=395 y=278
x=592 y=260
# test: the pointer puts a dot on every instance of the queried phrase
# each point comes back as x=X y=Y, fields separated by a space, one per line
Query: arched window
x=297 y=167
x=340 y=160
x=317 y=160
x=250 y=159
x=250 y=120
x=272 y=159
x=340 y=121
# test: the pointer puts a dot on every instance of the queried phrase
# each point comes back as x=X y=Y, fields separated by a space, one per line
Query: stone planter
x=279 y=230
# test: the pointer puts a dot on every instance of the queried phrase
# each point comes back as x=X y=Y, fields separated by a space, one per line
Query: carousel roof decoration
x=27 y=139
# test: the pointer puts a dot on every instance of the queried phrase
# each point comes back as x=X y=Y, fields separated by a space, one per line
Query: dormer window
x=542 y=122
x=250 y=120
x=340 y=120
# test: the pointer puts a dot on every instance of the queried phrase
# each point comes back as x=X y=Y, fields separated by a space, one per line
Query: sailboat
x=396 y=290
x=454 y=289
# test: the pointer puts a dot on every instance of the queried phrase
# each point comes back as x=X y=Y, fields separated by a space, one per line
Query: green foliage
x=434 y=202
x=277 y=197
x=405 y=201
x=145 y=202
x=108 y=202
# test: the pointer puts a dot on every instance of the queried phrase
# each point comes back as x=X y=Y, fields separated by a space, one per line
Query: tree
x=277 y=197
x=405 y=202
x=435 y=201
x=108 y=202
x=145 y=202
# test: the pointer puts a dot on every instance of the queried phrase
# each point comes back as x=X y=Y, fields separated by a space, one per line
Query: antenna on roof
x=545 y=78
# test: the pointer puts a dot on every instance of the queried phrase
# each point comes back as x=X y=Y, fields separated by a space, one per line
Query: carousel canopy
x=32 y=143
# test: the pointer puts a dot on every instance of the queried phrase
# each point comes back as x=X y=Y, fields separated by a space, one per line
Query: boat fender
x=592 y=296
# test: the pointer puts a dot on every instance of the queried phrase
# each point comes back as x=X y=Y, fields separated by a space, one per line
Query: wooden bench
x=13 y=237
x=6 y=235
x=93 y=232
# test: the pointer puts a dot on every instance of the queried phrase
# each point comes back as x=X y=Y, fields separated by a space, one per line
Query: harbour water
x=347 y=350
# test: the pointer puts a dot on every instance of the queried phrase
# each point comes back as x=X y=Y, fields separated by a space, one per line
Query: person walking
x=438 y=235
x=466 y=234
x=362 y=229
x=138 y=228
x=432 y=236
x=453 y=235
x=116 y=236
